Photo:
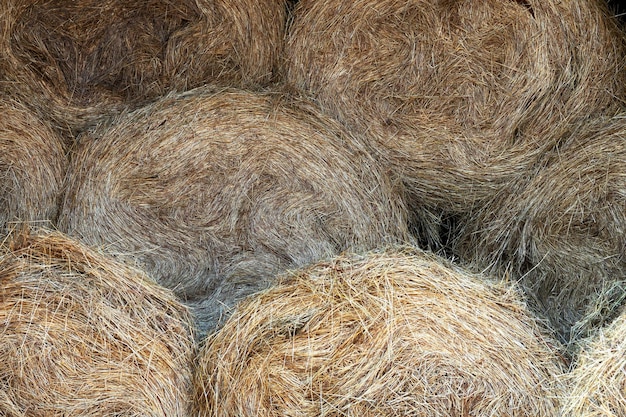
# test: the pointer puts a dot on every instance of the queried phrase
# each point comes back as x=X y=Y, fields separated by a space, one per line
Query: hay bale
x=213 y=192
x=457 y=94
x=32 y=166
x=83 y=335
x=238 y=43
x=79 y=59
x=597 y=383
x=397 y=332
x=561 y=229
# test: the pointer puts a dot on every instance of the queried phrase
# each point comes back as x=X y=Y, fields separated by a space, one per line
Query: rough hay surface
x=456 y=92
x=213 y=192
x=597 y=383
x=78 y=59
x=561 y=229
x=82 y=335
x=32 y=166
x=472 y=102
x=389 y=333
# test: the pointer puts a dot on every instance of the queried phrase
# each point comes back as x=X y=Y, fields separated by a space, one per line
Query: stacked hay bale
x=597 y=383
x=80 y=59
x=213 y=192
x=388 y=333
x=467 y=101
x=562 y=229
x=84 y=335
x=32 y=166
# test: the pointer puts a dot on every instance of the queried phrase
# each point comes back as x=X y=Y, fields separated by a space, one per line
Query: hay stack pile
x=212 y=192
x=83 y=335
x=78 y=60
x=472 y=103
x=388 y=333
x=597 y=384
x=493 y=131
x=32 y=166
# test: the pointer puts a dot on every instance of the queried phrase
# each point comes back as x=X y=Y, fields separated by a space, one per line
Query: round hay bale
x=83 y=335
x=457 y=87
x=32 y=166
x=79 y=59
x=597 y=383
x=391 y=333
x=561 y=229
x=213 y=192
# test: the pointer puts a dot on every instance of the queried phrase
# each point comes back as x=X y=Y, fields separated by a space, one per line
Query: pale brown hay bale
x=32 y=166
x=82 y=335
x=496 y=76
x=597 y=383
x=561 y=229
x=79 y=59
x=213 y=192
x=391 y=333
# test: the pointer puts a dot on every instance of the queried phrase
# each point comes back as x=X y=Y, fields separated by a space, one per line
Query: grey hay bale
x=80 y=59
x=597 y=382
x=83 y=335
x=212 y=192
x=397 y=332
x=32 y=166
x=561 y=229
x=457 y=94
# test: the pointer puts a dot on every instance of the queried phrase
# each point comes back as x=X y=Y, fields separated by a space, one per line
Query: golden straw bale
x=32 y=166
x=82 y=335
x=397 y=332
x=561 y=229
x=457 y=86
x=597 y=383
x=212 y=192
x=78 y=59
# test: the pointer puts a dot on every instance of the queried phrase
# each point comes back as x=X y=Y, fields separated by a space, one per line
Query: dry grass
x=472 y=103
x=460 y=96
x=85 y=336
x=80 y=59
x=32 y=166
x=562 y=229
x=389 y=333
x=597 y=383
x=213 y=192
x=236 y=44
